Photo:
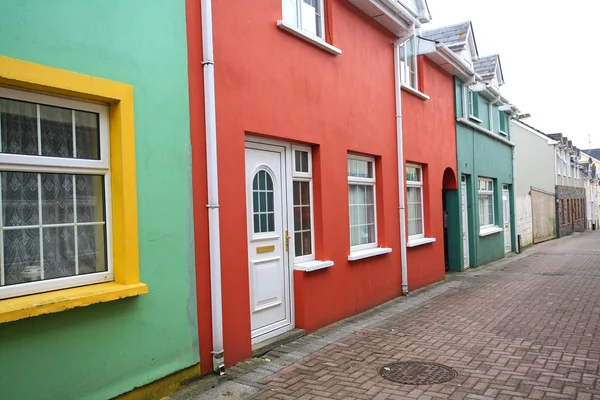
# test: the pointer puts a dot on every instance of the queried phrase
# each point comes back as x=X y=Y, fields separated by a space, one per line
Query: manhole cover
x=417 y=373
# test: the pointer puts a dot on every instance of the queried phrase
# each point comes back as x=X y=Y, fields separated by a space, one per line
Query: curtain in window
x=486 y=209
x=415 y=215
x=362 y=214
x=41 y=213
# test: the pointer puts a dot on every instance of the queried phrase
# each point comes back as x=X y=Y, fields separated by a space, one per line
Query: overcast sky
x=548 y=57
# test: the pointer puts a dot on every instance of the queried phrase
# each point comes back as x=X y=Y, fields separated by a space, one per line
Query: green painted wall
x=479 y=155
x=99 y=351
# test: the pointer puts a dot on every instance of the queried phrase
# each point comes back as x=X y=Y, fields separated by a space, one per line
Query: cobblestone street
x=526 y=327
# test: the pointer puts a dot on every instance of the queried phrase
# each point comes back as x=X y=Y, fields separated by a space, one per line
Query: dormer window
x=306 y=15
x=473 y=105
x=408 y=64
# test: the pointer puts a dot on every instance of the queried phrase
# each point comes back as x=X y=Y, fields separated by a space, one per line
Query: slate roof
x=451 y=36
x=486 y=66
x=593 y=152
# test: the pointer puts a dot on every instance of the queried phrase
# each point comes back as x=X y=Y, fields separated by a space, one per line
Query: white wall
x=524 y=219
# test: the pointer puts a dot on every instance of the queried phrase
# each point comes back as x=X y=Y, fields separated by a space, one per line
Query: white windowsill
x=317 y=41
x=503 y=133
x=313 y=265
x=415 y=92
x=375 y=251
x=481 y=129
x=474 y=118
x=490 y=230
x=419 y=241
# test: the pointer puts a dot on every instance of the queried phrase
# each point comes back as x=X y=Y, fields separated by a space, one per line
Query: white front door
x=506 y=212
x=267 y=222
x=465 y=222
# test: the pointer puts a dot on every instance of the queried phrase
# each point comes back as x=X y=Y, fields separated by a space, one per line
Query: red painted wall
x=430 y=139
x=271 y=83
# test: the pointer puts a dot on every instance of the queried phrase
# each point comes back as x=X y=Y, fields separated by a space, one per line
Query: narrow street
x=526 y=327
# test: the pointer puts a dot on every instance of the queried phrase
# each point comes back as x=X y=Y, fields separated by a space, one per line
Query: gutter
x=208 y=67
x=401 y=186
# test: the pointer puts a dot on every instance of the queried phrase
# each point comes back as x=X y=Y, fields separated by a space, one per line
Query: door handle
x=287 y=241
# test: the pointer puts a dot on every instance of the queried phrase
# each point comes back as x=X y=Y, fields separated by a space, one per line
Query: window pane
x=59 y=252
x=290 y=12
x=362 y=215
x=87 y=135
x=57 y=199
x=309 y=17
x=91 y=249
x=271 y=222
x=305 y=218
x=306 y=243
x=21 y=256
x=360 y=168
x=297 y=218
x=56 y=126
x=301 y=161
x=20 y=206
x=413 y=174
x=298 y=244
x=18 y=124
x=89 y=198
x=305 y=193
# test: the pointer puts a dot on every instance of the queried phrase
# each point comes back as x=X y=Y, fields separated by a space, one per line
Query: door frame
x=465 y=213
x=259 y=143
x=506 y=189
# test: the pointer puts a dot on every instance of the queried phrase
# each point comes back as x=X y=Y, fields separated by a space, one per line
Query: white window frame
x=406 y=68
x=299 y=176
x=502 y=116
x=298 y=24
x=418 y=185
x=487 y=192
x=354 y=180
x=471 y=104
x=44 y=164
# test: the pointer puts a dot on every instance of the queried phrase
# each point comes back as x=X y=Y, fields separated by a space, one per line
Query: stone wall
x=570 y=210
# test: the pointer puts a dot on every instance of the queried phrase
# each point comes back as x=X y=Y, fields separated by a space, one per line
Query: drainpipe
x=208 y=66
x=401 y=208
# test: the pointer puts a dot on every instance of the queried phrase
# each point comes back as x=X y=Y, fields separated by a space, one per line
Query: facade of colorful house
x=592 y=186
x=535 y=203
x=308 y=181
x=485 y=228
x=97 y=293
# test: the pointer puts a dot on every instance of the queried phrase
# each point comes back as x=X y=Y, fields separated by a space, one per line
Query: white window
x=306 y=15
x=473 y=100
x=263 y=207
x=408 y=64
x=302 y=203
x=414 y=189
x=361 y=199
x=55 y=193
x=486 y=203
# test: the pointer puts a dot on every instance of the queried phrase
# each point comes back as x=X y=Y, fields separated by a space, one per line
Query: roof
x=451 y=36
x=486 y=66
x=595 y=153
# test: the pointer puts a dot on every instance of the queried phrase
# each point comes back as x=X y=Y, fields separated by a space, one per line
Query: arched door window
x=262 y=202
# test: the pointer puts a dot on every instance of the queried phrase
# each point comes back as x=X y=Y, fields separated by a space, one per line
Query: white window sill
x=474 y=118
x=317 y=41
x=376 y=251
x=313 y=265
x=419 y=241
x=415 y=92
x=503 y=133
x=490 y=230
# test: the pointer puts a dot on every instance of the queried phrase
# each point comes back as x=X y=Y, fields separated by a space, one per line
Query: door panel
x=268 y=266
x=465 y=223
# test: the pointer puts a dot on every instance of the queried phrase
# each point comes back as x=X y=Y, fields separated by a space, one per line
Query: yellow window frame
x=119 y=96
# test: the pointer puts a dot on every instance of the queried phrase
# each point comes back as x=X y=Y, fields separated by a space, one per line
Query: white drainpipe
x=213 y=187
x=401 y=208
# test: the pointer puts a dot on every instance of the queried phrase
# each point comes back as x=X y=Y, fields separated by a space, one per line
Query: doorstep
x=264 y=347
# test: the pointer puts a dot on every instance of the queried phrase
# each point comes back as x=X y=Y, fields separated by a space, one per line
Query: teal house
x=97 y=276
x=479 y=218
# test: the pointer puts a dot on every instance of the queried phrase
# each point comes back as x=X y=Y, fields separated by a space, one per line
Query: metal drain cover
x=417 y=373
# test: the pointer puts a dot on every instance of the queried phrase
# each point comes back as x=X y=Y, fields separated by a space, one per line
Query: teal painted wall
x=99 y=351
x=479 y=155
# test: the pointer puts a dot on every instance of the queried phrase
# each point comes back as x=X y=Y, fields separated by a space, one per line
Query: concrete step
x=264 y=347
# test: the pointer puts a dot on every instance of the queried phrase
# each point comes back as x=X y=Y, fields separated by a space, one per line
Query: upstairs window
x=408 y=64
x=306 y=15
x=503 y=129
x=473 y=101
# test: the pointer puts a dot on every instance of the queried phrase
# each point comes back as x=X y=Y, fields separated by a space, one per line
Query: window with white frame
x=486 y=202
x=473 y=100
x=503 y=122
x=414 y=190
x=302 y=204
x=408 y=64
x=55 y=193
x=361 y=200
x=306 y=15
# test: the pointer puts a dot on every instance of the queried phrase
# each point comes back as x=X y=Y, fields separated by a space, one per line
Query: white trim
x=303 y=177
x=314 y=265
x=474 y=118
x=419 y=242
x=415 y=92
x=486 y=192
x=490 y=230
x=502 y=133
x=353 y=180
x=418 y=185
x=299 y=174
x=310 y=38
x=377 y=251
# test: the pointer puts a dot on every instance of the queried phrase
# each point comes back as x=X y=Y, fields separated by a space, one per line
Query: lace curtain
x=52 y=223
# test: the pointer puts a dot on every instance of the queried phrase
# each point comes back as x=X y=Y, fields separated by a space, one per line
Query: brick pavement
x=526 y=327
